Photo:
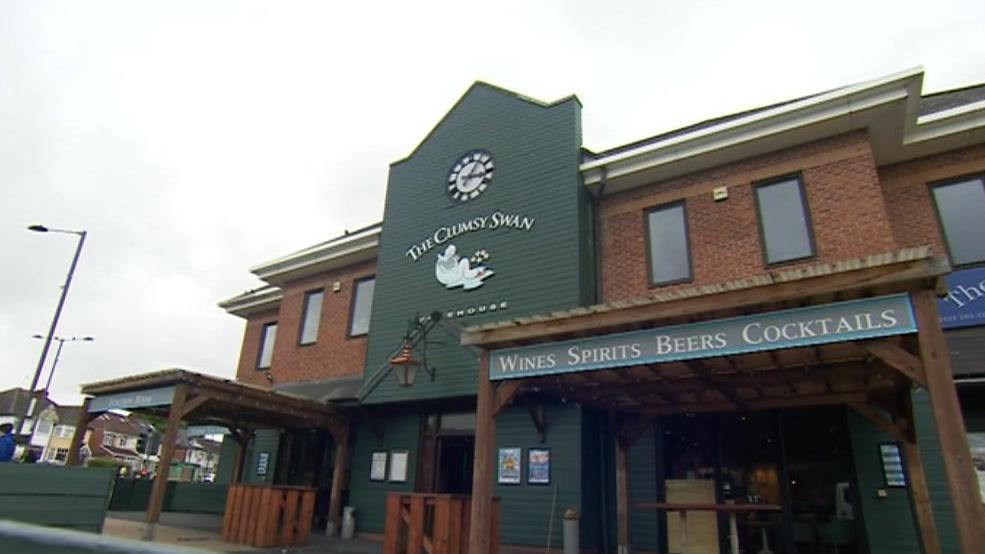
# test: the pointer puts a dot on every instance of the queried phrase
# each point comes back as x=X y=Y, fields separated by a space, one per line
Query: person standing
x=7 y=444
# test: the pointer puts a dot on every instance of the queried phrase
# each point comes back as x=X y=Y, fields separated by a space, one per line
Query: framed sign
x=263 y=461
x=539 y=466
x=509 y=466
x=398 y=466
x=377 y=470
x=892 y=465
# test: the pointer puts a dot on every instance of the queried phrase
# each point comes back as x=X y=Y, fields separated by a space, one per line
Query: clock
x=470 y=175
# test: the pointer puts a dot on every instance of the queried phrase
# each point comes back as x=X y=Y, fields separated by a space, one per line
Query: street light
x=58 y=312
x=58 y=353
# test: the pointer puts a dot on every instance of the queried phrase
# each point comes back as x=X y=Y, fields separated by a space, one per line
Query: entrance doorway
x=795 y=465
x=447 y=453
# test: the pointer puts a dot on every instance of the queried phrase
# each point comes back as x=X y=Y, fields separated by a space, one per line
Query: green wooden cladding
x=889 y=523
x=67 y=497
x=537 y=154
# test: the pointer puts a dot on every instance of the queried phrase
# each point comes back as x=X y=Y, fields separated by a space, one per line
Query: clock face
x=470 y=175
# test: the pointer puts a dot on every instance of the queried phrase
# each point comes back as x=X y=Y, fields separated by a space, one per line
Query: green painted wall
x=227 y=461
x=525 y=510
x=68 y=497
x=643 y=460
x=267 y=440
x=592 y=479
x=890 y=526
x=537 y=152
x=400 y=432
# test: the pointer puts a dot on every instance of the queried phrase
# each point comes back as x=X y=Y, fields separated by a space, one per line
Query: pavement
x=203 y=531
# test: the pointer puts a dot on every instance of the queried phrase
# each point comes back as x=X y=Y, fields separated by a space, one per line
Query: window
x=61 y=454
x=668 y=254
x=784 y=221
x=961 y=209
x=362 y=305
x=311 y=317
x=267 y=345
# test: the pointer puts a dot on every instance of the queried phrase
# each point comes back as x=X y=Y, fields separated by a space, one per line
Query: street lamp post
x=58 y=313
x=58 y=354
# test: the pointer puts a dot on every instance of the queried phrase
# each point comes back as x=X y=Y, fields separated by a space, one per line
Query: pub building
x=759 y=333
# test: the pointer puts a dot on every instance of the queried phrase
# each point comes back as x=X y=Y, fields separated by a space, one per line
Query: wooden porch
x=873 y=376
x=182 y=396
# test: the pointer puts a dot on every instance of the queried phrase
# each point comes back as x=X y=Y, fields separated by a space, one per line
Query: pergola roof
x=848 y=372
x=215 y=401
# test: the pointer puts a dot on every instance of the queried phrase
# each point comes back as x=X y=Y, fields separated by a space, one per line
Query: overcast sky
x=193 y=140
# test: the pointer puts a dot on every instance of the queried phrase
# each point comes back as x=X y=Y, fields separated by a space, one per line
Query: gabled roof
x=496 y=89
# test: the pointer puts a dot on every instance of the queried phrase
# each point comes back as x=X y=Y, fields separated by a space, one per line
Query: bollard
x=571 y=545
x=348 y=522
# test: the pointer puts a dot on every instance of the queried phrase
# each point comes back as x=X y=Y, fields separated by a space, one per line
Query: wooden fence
x=431 y=523
x=268 y=515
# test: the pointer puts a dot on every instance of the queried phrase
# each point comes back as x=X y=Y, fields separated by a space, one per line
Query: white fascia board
x=958 y=111
x=252 y=301
x=356 y=246
x=837 y=103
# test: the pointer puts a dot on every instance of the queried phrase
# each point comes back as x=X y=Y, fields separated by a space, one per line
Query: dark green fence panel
x=69 y=497
x=196 y=498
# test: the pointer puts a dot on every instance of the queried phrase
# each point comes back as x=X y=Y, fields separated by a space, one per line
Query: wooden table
x=732 y=508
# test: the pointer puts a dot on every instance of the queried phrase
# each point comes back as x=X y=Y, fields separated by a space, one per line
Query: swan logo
x=452 y=270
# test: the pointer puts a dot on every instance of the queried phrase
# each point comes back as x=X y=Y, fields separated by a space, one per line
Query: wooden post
x=156 y=501
x=962 y=481
x=920 y=494
x=482 y=470
x=622 y=497
x=243 y=440
x=341 y=438
x=81 y=423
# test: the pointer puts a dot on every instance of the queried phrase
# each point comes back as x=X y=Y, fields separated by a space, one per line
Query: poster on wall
x=398 y=466
x=892 y=465
x=539 y=466
x=509 y=466
x=263 y=460
x=377 y=471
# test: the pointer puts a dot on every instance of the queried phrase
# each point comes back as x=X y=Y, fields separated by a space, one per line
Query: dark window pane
x=362 y=306
x=669 y=256
x=962 y=210
x=458 y=422
x=312 y=315
x=784 y=221
x=267 y=345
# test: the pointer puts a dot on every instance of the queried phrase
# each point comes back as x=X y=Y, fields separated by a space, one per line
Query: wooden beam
x=962 y=480
x=244 y=443
x=81 y=424
x=705 y=373
x=762 y=404
x=338 y=481
x=893 y=355
x=632 y=428
x=899 y=273
x=193 y=404
x=880 y=422
x=480 y=526
x=156 y=501
x=505 y=393
x=919 y=489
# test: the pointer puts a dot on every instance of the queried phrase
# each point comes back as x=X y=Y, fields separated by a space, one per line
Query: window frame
x=808 y=219
x=649 y=250
x=352 y=306
x=263 y=339
x=304 y=316
x=980 y=177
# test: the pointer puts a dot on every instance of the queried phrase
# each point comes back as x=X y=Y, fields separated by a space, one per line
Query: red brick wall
x=849 y=214
x=334 y=354
x=911 y=208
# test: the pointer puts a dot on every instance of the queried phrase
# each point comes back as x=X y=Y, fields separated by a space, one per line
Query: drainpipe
x=597 y=224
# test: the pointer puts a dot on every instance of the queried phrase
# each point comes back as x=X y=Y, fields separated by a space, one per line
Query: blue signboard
x=840 y=321
x=130 y=400
x=964 y=305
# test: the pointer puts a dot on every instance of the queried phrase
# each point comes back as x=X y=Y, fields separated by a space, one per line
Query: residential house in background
x=60 y=439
